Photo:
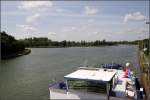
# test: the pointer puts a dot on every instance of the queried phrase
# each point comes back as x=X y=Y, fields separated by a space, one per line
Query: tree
x=9 y=45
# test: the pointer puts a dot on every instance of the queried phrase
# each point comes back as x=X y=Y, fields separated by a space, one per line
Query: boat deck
x=63 y=94
x=119 y=90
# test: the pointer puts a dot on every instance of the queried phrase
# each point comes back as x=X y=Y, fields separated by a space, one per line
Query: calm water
x=27 y=77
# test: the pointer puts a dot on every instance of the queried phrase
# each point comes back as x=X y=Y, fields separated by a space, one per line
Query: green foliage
x=145 y=68
x=45 y=42
x=144 y=44
x=10 y=42
x=35 y=42
x=9 y=45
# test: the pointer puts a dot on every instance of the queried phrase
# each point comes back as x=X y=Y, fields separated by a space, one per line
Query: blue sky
x=76 y=20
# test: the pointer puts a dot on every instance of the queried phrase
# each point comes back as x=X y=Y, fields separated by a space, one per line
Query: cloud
x=35 y=9
x=32 y=18
x=35 y=5
x=59 y=10
x=73 y=28
x=96 y=33
x=132 y=31
x=26 y=28
x=51 y=33
x=69 y=29
x=90 y=11
x=137 y=16
x=139 y=30
x=91 y=20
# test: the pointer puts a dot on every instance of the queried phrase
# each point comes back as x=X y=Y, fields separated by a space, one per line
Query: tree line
x=10 y=42
x=9 y=45
x=45 y=42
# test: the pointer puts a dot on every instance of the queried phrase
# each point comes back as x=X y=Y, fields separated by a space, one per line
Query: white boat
x=94 y=83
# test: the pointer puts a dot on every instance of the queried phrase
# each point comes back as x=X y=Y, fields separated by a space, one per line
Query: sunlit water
x=27 y=77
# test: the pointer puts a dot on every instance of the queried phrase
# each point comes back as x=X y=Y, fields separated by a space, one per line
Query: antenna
x=112 y=64
x=85 y=63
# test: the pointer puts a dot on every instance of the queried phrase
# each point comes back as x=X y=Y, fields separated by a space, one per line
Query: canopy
x=93 y=75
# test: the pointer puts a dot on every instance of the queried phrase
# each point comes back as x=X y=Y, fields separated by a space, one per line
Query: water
x=27 y=77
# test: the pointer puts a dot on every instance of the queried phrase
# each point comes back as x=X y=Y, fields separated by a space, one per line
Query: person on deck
x=127 y=71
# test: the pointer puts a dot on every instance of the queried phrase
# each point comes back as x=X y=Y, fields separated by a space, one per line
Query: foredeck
x=63 y=94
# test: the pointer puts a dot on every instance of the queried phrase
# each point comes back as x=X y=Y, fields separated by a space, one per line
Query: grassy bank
x=17 y=54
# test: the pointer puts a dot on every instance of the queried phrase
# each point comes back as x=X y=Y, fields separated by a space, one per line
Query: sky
x=76 y=20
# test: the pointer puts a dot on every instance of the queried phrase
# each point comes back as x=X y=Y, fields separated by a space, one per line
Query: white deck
x=120 y=88
x=97 y=75
x=62 y=94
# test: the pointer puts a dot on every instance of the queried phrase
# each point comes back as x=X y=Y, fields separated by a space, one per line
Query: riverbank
x=143 y=60
x=20 y=53
x=68 y=46
x=80 y=46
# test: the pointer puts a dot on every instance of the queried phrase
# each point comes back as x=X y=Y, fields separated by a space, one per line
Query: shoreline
x=20 y=53
x=144 y=75
x=79 y=46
